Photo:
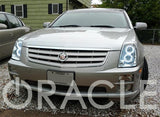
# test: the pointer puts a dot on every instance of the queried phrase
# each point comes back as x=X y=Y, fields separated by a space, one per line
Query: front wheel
x=143 y=77
x=145 y=72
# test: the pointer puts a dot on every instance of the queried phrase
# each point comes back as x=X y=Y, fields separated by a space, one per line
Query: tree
x=139 y=10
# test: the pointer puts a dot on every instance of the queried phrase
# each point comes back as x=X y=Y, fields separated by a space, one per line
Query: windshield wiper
x=68 y=26
x=105 y=26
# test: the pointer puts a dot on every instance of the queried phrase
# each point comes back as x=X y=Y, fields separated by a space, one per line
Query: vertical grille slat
x=75 y=58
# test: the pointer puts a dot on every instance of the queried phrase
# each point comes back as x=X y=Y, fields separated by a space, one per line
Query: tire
x=144 y=76
x=145 y=71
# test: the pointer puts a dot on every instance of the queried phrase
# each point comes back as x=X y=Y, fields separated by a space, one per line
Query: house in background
x=35 y=12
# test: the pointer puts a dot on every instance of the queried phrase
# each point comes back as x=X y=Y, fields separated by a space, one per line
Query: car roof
x=97 y=9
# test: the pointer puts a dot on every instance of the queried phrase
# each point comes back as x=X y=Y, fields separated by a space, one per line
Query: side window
x=3 y=19
x=13 y=21
x=0 y=8
x=20 y=22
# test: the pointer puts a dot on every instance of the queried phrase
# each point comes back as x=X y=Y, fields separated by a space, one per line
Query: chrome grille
x=76 y=58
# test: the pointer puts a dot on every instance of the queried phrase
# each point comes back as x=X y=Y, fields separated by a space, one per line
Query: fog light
x=126 y=78
x=127 y=87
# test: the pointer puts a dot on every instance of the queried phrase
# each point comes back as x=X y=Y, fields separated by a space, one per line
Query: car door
x=5 y=37
x=17 y=26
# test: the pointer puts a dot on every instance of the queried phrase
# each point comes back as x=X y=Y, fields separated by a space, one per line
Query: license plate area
x=64 y=78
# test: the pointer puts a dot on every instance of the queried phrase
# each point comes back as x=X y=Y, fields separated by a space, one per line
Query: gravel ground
x=73 y=108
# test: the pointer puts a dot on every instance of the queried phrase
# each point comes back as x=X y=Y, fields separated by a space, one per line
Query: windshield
x=92 y=19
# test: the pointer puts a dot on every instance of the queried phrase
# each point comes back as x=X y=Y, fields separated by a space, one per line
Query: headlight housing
x=17 y=50
x=128 y=57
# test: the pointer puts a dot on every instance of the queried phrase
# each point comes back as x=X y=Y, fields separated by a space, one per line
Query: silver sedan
x=84 y=46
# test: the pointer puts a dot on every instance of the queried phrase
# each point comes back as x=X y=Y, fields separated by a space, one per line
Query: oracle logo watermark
x=77 y=95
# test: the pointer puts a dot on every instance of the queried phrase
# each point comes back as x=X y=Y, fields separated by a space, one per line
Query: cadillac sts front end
x=83 y=51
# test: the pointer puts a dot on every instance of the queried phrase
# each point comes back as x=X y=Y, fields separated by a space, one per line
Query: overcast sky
x=96 y=2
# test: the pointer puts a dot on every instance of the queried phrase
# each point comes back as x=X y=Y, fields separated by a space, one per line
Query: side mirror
x=3 y=26
x=46 y=24
x=141 y=25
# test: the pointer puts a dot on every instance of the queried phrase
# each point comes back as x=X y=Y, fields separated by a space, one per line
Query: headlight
x=17 y=50
x=128 y=57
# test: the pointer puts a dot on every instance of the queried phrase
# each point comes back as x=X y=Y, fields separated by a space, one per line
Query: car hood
x=97 y=38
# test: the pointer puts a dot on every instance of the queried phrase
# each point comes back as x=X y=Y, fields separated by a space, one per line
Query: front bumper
x=83 y=77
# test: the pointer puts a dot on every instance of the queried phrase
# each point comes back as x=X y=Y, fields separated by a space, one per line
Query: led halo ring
x=130 y=60
x=18 y=51
x=129 y=46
